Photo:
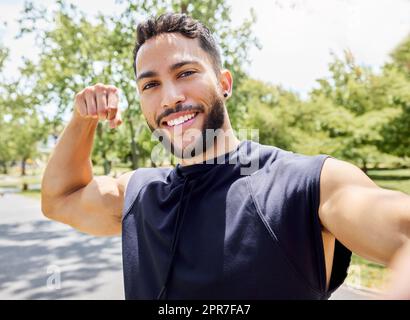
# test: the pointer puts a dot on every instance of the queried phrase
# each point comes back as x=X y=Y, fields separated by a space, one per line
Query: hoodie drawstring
x=175 y=238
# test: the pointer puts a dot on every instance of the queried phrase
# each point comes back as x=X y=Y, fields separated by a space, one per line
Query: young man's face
x=180 y=93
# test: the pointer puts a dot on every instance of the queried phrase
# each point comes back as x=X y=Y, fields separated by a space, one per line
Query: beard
x=213 y=121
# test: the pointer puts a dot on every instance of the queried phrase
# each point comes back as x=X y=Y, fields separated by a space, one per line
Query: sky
x=297 y=36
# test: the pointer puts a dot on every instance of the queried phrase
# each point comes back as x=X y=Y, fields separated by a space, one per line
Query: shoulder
x=340 y=182
x=275 y=156
x=289 y=174
x=337 y=174
x=134 y=181
x=141 y=176
x=123 y=180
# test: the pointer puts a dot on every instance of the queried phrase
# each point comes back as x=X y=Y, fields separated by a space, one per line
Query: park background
x=314 y=77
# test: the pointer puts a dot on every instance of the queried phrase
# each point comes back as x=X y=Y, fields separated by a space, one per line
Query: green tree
x=273 y=111
x=22 y=127
x=396 y=133
x=353 y=105
x=401 y=56
x=5 y=151
x=4 y=53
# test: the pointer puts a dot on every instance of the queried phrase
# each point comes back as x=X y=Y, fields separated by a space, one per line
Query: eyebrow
x=175 y=66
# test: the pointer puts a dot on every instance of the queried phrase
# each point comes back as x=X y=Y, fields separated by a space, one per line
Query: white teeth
x=180 y=120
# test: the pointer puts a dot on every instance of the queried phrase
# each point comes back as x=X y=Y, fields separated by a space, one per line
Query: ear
x=226 y=82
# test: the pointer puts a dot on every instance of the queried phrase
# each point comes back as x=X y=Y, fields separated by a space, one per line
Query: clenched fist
x=99 y=102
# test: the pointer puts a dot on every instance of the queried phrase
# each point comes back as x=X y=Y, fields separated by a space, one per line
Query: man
x=399 y=286
x=284 y=229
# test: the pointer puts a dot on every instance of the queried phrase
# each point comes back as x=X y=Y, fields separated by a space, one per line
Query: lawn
x=17 y=181
x=398 y=179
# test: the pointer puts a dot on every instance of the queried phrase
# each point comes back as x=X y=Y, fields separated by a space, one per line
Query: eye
x=185 y=74
x=149 y=85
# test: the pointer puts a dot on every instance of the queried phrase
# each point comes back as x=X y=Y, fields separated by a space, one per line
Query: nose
x=171 y=96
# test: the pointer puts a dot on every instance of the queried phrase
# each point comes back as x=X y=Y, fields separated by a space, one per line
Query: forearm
x=69 y=167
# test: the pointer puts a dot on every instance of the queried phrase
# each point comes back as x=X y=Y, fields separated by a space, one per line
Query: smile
x=181 y=120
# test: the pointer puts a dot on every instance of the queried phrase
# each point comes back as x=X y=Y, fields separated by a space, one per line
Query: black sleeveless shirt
x=243 y=227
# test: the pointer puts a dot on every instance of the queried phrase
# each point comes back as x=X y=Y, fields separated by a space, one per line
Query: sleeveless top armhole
x=290 y=199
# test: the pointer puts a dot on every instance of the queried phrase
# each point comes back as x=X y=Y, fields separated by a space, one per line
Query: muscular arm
x=399 y=286
x=371 y=221
x=69 y=192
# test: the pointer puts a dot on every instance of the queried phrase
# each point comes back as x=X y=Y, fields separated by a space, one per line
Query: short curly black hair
x=179 y=23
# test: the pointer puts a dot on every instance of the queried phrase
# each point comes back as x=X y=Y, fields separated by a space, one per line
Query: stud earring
x=225 y=94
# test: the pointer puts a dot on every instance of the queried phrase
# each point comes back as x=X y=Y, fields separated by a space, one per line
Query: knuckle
x=112 y=89
x=88 y=91
x=101 y=88
x=79 y=95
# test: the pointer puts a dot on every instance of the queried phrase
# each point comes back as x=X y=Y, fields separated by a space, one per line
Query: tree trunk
x=107 y=166
x=184 y=7
x=4 y=167
x=364 y=166
x=23 y=167
x=134 y=159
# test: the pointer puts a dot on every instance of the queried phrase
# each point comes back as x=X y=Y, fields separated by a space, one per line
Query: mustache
x=178 y=108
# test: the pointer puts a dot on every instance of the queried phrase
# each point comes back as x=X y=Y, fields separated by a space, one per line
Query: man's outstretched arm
x=69 y=192
x=371 y=221
x=399 y=285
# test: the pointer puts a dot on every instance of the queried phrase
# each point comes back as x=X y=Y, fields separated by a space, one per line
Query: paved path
x=35 y=253
x=348 y=293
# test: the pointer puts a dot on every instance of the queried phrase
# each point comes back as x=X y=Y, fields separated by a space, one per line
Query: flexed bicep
x=95 y=209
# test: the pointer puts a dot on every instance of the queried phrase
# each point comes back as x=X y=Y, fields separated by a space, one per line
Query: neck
x=223 y=144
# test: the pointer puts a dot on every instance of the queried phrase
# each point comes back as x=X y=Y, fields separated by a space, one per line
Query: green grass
x=394 y=179
x=99 y=170
x=36 y=194
x=363 y=272
x=17 y=181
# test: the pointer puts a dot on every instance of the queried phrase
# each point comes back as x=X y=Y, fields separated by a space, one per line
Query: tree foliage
x=355 y=114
